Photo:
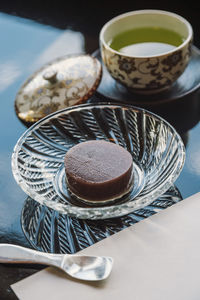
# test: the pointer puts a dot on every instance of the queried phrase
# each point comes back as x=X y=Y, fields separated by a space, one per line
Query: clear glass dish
x=157 y=150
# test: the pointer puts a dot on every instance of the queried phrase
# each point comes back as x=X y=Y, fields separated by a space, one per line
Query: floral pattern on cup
x=146 y=74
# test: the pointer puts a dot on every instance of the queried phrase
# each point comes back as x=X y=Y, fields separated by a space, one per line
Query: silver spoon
x=81 y=267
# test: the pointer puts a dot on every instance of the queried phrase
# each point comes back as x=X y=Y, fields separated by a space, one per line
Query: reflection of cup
x=153 y=66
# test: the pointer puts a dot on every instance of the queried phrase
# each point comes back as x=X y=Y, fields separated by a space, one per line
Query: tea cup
x=146 y=70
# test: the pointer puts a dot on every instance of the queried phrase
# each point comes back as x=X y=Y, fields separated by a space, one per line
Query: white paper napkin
x=155 y=259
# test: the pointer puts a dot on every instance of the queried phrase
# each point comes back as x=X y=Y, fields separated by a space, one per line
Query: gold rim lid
x=62 y=83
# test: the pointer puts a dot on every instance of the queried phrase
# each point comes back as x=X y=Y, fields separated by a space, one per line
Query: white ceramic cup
x=149 y=73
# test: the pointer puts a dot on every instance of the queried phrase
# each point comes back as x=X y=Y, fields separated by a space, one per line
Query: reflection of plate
x=187 y=83
x=50 y=231
x=38 y=158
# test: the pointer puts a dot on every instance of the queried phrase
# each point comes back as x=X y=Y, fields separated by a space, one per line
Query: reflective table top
x=31 y=37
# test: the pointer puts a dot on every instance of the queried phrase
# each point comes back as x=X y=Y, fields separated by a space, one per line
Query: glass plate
x=157 y=150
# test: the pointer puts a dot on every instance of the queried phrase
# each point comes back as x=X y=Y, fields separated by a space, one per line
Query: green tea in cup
x=146 y=41
x=146 y=50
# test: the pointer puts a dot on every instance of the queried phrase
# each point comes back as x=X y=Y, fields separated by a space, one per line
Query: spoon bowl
x=87 y=267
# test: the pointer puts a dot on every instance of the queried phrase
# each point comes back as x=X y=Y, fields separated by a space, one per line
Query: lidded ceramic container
x=146 y=74
x=64 y=82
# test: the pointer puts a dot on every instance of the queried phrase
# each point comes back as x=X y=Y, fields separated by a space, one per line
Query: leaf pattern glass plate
x=157 y=150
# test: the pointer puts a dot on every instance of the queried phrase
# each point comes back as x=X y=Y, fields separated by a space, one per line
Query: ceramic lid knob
x=64 y=82
x=51 y=76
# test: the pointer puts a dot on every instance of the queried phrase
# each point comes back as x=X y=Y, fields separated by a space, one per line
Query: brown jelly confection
x=98 y=170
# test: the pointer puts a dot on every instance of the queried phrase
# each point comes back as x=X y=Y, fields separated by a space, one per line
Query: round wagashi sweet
x=98 y=170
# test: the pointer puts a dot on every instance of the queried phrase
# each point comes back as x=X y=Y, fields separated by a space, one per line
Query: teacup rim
x=148 y=11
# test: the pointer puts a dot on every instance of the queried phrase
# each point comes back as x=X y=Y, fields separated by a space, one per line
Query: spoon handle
x=17 y=254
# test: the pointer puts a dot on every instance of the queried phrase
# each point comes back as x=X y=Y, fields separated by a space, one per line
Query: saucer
x=187 y=83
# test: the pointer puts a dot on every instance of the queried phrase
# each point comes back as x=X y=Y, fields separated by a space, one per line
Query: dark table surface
x=33 y=34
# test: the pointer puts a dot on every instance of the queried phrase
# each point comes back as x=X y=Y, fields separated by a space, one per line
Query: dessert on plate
x=98 y=170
